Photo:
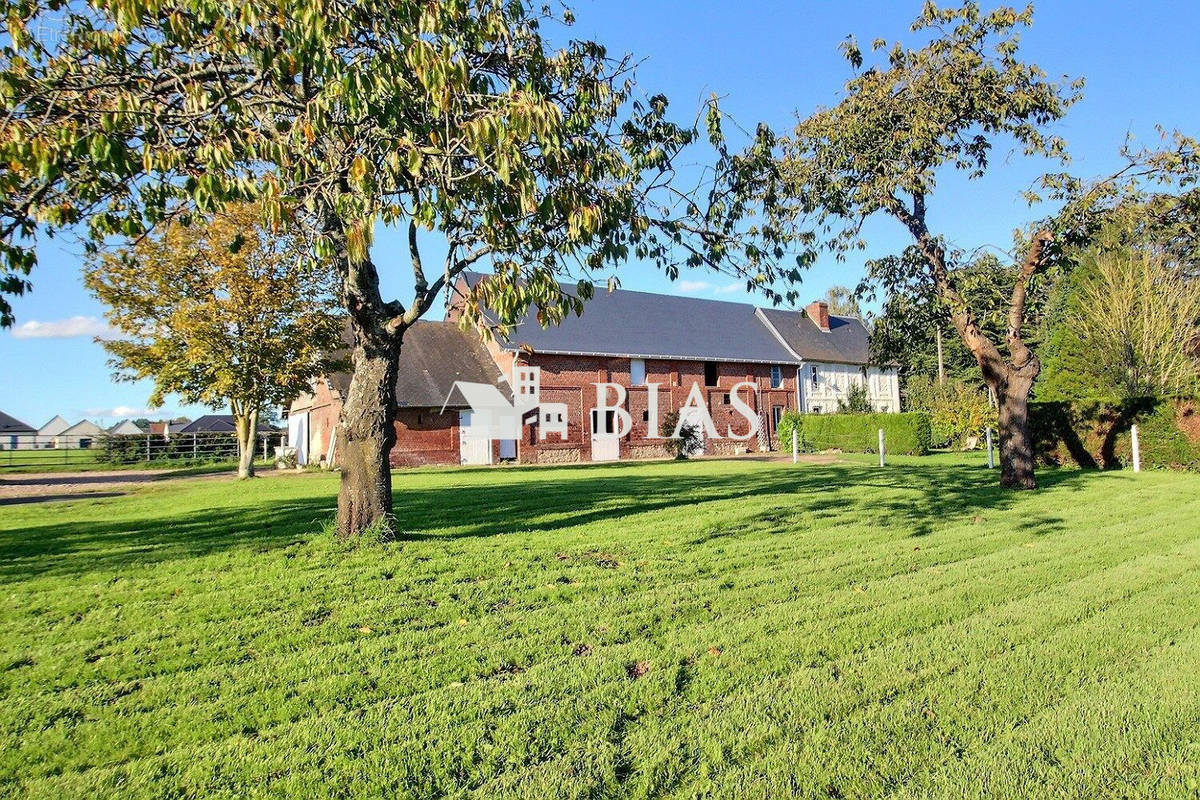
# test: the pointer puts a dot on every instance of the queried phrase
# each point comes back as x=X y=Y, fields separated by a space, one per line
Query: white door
x=472 y=451
x=298 y=436
x=604 y=448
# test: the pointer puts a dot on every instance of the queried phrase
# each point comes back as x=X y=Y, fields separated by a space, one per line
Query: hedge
x=207 y=446
x=1096 y=433
x=858 y=433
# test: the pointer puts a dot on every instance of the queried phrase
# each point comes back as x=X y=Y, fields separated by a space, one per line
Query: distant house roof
x=645 y=325
x=54 y=427
x=214 y=423
x=159 y=428
x=125 y=428
x=84 y=427
x=436 y=355
x=847 y=340
x=13 y=425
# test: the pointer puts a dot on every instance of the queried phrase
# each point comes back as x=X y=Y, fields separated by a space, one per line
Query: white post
x=991 y=454
x=1137 y=451
x=147 y=447
x=795 y=446
x=882 y=458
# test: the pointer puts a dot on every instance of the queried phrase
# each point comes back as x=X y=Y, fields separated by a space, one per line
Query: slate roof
x=435 y=355
x=214 y=423
x=847 y=341
x=645 y=325
x=13 y=425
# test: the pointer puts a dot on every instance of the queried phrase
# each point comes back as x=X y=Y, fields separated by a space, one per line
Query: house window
x=637 y=372
x=776 y=376
x=815 y=377
x=710 y=373
x=816 y=410
x=725 y=398
x=646 y=415
x=776 y=416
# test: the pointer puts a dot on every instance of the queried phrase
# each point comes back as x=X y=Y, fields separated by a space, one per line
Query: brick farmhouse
x=795 y=360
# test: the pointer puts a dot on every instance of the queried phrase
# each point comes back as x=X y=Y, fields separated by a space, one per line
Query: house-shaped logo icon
x=493 y=417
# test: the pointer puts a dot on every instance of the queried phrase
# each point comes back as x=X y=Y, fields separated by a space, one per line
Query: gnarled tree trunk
x=1012 y=387
x=366 y=436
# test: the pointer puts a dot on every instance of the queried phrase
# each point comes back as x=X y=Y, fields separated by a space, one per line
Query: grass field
x=704 y=629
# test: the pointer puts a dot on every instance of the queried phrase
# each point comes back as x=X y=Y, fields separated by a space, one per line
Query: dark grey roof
x=847 y=341
x=646 y=325
x=436 y=354
x=214 y=423
x=13 y=425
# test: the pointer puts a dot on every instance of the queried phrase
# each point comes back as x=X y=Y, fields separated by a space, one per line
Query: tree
x=843 y=302
x=455 y=121
x=915 y=329
x=686 y=443
x=1130 y=329
x=222 y=312
x=857 y=400
x=880 y=150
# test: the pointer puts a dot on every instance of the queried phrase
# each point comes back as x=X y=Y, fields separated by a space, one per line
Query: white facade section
x=823 y=384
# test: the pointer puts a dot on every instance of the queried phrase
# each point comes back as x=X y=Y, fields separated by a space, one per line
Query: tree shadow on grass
x=913 y=499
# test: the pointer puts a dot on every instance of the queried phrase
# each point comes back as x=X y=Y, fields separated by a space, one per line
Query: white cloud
x=731 y=288
x=694 y=286
x=71 y=328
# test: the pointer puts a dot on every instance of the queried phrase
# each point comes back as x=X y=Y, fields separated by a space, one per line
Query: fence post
x=1137 y=450
x=991 y=455
x=194 y=451
x=882 y=457
x=795 y=445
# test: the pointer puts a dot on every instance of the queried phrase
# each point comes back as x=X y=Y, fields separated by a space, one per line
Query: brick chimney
x=818 y=312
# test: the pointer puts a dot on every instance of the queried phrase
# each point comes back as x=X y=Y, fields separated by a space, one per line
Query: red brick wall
x=570 y=379
x=425 y=437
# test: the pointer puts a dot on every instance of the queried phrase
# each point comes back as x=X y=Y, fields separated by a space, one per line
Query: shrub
x=688 y=441
x=857 y=401
x=857 y=433
x=791 y=420
x=958 y=412
x=1096 y=433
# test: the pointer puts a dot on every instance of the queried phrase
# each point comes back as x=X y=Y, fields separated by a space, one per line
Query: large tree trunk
x=366 y=435
x=247 y=428
x=1012 y=387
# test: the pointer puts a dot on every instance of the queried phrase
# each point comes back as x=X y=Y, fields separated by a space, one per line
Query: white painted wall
x=833 y=383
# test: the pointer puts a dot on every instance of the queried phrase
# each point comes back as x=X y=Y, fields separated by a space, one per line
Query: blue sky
x=768 y=60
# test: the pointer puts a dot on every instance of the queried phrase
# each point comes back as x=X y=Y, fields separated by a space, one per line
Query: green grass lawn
x=703 y=629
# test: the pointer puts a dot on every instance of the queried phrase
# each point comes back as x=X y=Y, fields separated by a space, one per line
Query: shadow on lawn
x=909 y=498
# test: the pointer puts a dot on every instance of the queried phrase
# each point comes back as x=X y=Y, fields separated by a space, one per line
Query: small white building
x=125 y=428
x=81 y=435
x=835 y=352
